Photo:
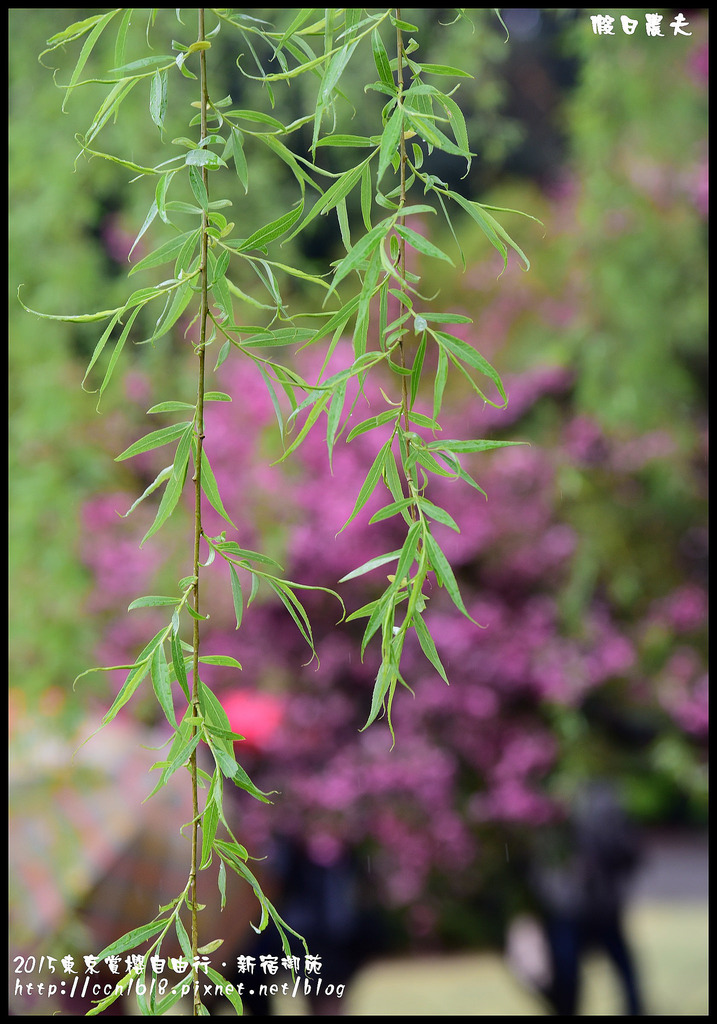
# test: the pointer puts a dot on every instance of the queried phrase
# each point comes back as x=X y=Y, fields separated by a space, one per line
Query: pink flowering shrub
x=478 y=753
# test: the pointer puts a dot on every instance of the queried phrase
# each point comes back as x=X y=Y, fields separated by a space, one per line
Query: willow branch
x=199 y=435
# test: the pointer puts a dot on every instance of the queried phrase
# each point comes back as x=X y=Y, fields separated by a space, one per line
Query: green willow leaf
x=180 y=672
x=340 y=188
x=116 y=352
x=354 y=259
x=388 y=511
x=445 y=576
x=158 y=98
x=203 y=158
x=77 y=318
x=387 y=416
x=75 y=31
x=472 y=446
x=237 y=595
x=135 y=676
x=439 y=514
x=155 y=439
x=428 y=645
x=261 y=238
x=373 y=563
x=161 y=477
x=389 y=141
x=211 y=489
x=443 y=69
x=159 y=673
x=422 y=244
x=356 y=141
x=237 y=149
x=466 y=353
x=198 y=188
x=146 y=63
x=132 y=939
x=380 y=59
x=175 y=484
x=165 y=253
x=152 y=601
x=220 y=659
x=369 y=485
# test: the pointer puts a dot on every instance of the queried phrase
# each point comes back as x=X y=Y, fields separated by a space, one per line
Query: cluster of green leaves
x=204 y=260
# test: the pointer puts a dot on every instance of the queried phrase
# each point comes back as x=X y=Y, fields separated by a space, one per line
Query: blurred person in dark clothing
x=582 y=898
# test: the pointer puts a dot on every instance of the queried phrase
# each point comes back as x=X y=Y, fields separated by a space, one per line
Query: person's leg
x=618 y=950
x=564 y=940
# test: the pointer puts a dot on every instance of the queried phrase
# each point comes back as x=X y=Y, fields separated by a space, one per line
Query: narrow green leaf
x=388 y=511
x=116 y=352
x=122 y=38
x=439 y=514
x=159 y=673
x=101 y=344
x=171 y=407
x=406 y=26
x=220 y=659
x=237 y=144
x=198 y=187
x=387 y=416
x=158 y=97
x=360 y=252
x=372 y=478
x=427 y=645
x=261 y=238
x=165 y=253
x=422 y=244
x=373 y=563
x=155 y=439
x=444 y=69
x=145 y=63
x=336 y=67
x=466 y=353
x=380 y=59
x=417 y=368
x=203 y=158
x=175 y=484
x=472 y=446
x=211 y=489
x=97 y=30
x=132 y=939
x=439 y=382
x=157 y=482
x=173 y=310
x=334 y=417
x=361 y=141
x=444 y=574
x=366 y=196
x=180 y=671
x=210 y=821
x=482 y=220
x=74 y=31
x=385 y=682
x=389 y=141
x=318 y=408
x=340 y=188
x=152 y=601
x=237 y=596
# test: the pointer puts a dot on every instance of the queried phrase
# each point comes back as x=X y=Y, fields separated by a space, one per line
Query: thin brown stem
x=401 y=263
x=199 y=439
